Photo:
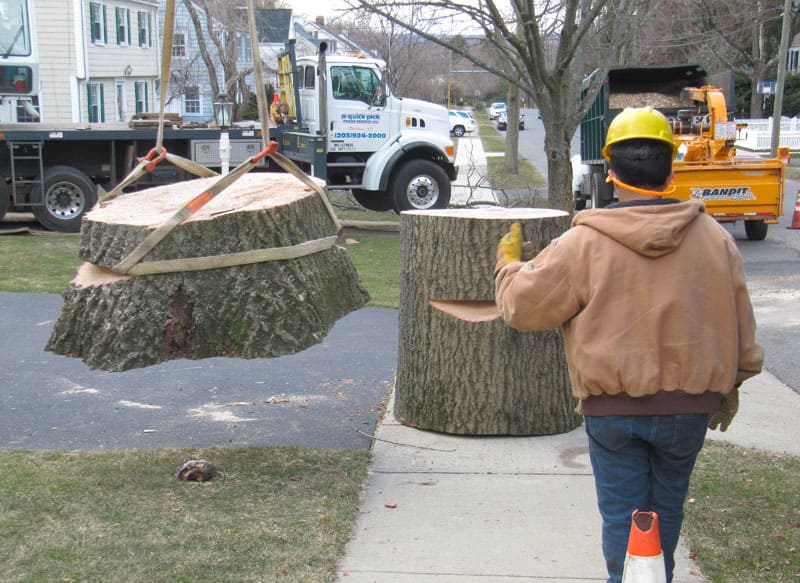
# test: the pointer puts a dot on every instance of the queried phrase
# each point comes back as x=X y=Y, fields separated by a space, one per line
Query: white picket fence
x=757 y=136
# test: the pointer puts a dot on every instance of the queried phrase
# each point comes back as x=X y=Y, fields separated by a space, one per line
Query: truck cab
x=391 y=152
x=19 y=62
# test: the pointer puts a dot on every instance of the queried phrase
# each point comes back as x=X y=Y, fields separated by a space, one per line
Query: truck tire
x=68 y=195
x=373 y=201
x=600 y=191
x=5 y=199
x=756 y=230
x=420 y=185
x=459 y=131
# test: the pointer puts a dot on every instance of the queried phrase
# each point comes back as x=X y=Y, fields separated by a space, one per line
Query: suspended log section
x=461 y=369
x=254 y=273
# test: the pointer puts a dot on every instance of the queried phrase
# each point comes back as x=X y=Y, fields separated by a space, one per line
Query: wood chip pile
x=651 y=98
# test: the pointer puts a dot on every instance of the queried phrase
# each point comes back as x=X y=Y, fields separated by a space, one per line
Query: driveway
x=323 y=397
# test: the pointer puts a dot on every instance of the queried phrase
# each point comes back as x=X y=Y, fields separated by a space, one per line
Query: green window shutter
x=102 y=105
x=149 y=32
x=136 y=97
x=104 y=32
x=130 y=34
x=88 y=102
x=92 y=12
x=119 y=22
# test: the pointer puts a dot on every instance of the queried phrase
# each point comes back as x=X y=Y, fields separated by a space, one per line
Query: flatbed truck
x=57 y=173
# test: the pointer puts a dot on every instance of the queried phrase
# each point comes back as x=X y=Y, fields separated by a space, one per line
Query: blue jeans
x=642 y=462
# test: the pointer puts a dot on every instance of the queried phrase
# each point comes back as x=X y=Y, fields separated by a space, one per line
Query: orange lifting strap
x=159 y=153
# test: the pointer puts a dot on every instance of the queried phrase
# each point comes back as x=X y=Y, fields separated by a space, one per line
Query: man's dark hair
x=641 y=163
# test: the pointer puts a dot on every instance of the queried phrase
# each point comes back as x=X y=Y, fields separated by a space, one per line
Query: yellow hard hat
x=638 y=123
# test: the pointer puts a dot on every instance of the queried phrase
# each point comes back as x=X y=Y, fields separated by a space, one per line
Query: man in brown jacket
x=658 y=330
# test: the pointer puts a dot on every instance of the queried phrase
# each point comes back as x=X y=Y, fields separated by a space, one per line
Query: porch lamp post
x=223 y=110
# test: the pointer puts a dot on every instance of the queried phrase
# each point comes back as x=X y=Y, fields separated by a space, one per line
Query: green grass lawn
x=377 y=259
x=38 y=263
x=743 y=515
x=528 y=176
x=271 y=514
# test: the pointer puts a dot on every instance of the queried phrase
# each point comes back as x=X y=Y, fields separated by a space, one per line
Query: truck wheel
x=600 y=191
x=756 y=230
x=68 y=195
x=5 y=199
x=373 y=201
x=459 y=131
x=420 y=185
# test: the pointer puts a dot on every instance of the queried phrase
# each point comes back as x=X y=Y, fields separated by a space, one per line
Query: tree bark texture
x=474 y=377
x=259 y=310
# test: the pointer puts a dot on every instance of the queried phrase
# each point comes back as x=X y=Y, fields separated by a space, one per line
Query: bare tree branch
x=537 y=46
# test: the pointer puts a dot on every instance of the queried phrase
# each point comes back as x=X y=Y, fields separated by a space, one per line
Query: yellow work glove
x=726 y=412
x=511 y=244
x=512 y=248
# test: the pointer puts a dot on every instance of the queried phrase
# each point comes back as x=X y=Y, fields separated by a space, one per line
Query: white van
x=495 y=109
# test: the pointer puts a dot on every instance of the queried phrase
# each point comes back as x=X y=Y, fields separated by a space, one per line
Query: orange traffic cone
x=644 y=562
x=796 y=218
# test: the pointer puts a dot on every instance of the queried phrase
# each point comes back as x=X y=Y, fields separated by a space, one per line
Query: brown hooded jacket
x=654 y=308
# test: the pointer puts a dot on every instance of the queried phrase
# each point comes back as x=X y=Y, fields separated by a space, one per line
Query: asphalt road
x=321 y=397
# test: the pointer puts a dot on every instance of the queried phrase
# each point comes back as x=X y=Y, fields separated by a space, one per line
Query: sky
x=313 y=8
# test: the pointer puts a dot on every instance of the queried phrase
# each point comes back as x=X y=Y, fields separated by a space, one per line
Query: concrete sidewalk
x=471 y=186
x=509 y=509
x=446 y=509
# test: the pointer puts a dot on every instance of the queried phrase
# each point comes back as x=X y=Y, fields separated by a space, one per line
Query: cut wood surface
x=460 y=369
x=151 y=207
x=256 y=310
x=260 y=210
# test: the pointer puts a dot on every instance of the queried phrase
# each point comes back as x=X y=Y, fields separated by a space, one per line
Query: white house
x=99 y=59
x=190 y=93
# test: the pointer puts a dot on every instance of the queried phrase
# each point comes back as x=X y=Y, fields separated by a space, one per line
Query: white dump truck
x=346 y=127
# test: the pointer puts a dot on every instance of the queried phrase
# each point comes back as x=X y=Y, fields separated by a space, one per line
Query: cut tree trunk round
x=461 y=369
x=257 y=309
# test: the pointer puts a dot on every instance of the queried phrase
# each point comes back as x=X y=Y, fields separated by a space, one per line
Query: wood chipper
x=707 y=167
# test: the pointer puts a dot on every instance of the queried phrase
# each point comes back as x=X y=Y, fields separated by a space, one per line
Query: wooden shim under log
x=465 y=372
x=254 y=310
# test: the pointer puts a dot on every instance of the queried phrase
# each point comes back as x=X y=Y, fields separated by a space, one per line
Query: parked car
x=502 y=121
x=495 y=109
x=461 y=122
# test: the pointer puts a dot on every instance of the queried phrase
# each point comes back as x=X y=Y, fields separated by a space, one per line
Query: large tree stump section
x=256 y=310
x=459 y=371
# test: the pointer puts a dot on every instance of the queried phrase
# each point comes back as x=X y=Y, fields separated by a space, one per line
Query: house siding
x=71 y=61
x=189 y=69
x=112 y=63
x=58 y=54
x=68 y=63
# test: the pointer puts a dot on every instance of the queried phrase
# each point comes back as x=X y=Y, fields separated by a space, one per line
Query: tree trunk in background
x=257 y=310
x=474 y=377
x=512 y=130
